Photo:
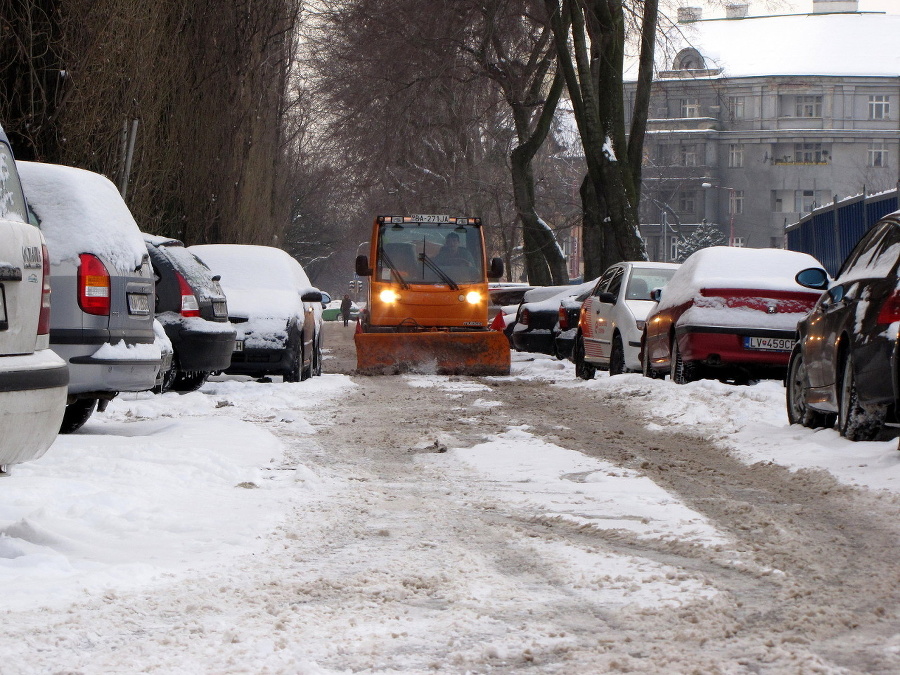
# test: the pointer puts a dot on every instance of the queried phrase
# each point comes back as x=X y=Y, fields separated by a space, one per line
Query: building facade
x=756 y=121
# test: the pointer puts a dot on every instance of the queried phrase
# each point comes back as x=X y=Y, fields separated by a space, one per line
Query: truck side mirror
x=496 y=269
x=362 y=266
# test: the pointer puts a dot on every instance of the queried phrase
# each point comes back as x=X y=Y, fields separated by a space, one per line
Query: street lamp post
x=731 y=206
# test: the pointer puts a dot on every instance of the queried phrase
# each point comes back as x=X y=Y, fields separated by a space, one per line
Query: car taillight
x=563 y=319
x=44 y=316
x=524 y=316
x=93 y=285
x=890 y=310
x=189 y=304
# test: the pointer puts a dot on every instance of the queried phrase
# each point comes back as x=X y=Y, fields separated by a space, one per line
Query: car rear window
x=197 y=274
x=12 y=202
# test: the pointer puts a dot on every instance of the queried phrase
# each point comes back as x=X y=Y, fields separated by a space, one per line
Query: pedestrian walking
x=346 y=304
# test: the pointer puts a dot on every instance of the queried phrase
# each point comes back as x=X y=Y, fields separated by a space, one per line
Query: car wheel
x=680 y=370
x=798 y=411
x=855 y=423
x=583 y=369
x=168 y=379
x=617 y=356
x=185 y=382
x=646 y=369
x=317 y=357
x=77 y=414
x=294 y=372
x=306 y=372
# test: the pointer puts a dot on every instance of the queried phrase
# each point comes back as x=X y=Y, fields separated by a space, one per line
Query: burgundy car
x=729 y=314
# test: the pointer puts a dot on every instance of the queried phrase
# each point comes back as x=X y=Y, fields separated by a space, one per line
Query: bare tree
x=591 y=56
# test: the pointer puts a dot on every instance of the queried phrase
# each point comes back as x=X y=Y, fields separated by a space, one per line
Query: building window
x=688 y=155
x=690 y=107
x=809 y=153
x=687 y=202
x=673 y=249
x=735 y=201
x=735 y=155
x=737 y=105
x=879 y=107
x=738 y=242
x=804 y=200
x=808 y=106
x=878 y=154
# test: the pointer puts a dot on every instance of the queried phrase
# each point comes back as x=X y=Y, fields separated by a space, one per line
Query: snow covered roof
x=846 y=44
x=82 y=211
x=726 y=267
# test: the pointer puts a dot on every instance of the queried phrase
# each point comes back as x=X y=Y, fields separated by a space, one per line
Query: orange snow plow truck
x=427 y=299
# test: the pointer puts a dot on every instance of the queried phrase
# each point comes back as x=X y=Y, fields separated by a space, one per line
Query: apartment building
x=755 y=121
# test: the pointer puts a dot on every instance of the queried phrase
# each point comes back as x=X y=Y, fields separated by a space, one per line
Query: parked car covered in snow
x=845 y=363
x=537 y=315
x=566 y=327
x=101 y=320
x=728 y=313
x=193 y=311
x=33 y=378
x=611 y=319
x=276 y=311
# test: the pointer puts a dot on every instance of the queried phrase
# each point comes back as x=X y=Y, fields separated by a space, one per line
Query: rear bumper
x=715 y=346
x=207 y=350
x=539 y=341
x=32 y=401
x=89 y=373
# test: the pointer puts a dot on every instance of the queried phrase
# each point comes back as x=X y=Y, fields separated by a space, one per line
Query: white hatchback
x=33 y=380
x=612 y=317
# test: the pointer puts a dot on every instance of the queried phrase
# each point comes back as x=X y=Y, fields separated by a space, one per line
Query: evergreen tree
x=703 y=237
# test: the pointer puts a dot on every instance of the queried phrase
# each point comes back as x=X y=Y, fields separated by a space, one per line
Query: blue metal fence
x=830 y=233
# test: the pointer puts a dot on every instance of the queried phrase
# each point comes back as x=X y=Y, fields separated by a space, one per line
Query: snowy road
x=421 y=524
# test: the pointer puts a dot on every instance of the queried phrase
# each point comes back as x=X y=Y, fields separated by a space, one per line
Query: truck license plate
x=138 y=303
x=769 y=344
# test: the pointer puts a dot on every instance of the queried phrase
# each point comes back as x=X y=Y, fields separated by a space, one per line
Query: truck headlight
x=389 y=296
x=473 y=297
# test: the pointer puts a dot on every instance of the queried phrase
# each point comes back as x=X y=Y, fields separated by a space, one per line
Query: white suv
x=33 y=379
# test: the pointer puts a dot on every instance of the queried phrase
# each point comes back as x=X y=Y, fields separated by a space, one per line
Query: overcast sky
x=715 y=8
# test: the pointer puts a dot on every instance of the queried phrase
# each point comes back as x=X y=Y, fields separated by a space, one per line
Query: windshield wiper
x=394 y=270
x=441 y=273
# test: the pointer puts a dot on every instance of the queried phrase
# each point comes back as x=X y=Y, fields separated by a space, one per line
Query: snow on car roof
x=82 y=211
x=727 y=267
x=553 y=301
x=248 y=267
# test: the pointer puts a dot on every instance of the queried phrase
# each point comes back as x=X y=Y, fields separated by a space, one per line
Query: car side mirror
x=362 y=266
x=496 y=269
x=607 y=298
x=217 y=277
x=311 y=296
x=656 y=294
x=326 y=298
x=813 y=277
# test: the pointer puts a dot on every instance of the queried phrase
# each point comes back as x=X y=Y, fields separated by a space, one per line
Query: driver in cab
x=452 y=254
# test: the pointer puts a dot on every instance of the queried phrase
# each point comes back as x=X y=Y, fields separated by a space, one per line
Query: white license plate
x=138 y=303
x=238 y=345
x=424 y=218
x=769 y=344
x=4 y=324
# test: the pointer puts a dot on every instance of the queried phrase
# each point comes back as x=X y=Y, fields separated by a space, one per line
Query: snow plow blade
x=444 y=353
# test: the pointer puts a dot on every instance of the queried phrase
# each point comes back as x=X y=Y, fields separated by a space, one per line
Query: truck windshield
x=430 y=254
